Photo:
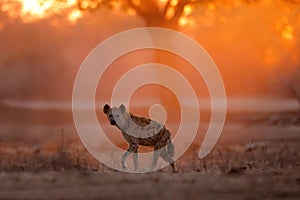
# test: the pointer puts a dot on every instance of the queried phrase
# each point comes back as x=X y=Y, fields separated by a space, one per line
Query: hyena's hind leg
x=133 y=148
x=167 y=154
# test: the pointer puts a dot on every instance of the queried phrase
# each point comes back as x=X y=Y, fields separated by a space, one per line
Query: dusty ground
x=279 y=184
x=257 y=157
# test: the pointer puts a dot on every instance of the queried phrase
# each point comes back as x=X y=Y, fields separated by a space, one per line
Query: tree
x=156 y=13
x=162 y=13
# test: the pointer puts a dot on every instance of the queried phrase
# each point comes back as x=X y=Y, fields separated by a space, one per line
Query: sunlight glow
x=84 y=4
x=186 y=21
x=136 y=2
x=33 y=10
x=74 y=16
x=173 y=3
x=188 y=9
x=161 y=3
x=287 y=32
x=285 y=29
x=35 y=7
x=116 y=4
x=211 y=6
x=131 y=12
x=183 y=21
x=170 y=13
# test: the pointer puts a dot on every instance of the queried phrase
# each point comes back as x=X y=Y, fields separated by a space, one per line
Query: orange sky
x=279 y=18
x=283 y=18
x=247 y=41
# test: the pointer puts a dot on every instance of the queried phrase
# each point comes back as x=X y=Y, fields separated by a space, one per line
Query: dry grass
x=228 y=158
x=253 y=161
x=248 y=142
x=43 y=157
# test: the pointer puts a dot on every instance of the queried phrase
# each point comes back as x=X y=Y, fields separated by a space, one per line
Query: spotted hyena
x=141 y=131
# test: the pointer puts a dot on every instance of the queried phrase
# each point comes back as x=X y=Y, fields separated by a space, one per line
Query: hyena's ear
x=122 y=108
x=106 y=108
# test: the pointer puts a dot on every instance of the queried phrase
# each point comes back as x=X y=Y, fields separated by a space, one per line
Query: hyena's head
x=116 y=116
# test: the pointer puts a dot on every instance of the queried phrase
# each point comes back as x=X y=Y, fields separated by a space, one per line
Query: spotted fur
x=141 y=131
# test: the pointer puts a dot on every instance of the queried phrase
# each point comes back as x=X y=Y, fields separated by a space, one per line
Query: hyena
x=141 y=131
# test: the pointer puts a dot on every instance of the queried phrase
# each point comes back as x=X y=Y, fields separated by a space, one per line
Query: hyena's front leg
x=123 y=158
x=133 y=148
x=135 y=160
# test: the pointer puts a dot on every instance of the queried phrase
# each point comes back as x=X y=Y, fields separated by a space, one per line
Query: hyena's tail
x=170 y=149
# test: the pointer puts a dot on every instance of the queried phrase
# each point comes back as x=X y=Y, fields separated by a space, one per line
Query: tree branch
x=138 y=9
x=179 y=10
x=96 y=2
x=166 y=8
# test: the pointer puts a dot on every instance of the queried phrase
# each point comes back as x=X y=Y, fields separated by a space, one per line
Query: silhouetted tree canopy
x=162 y=13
